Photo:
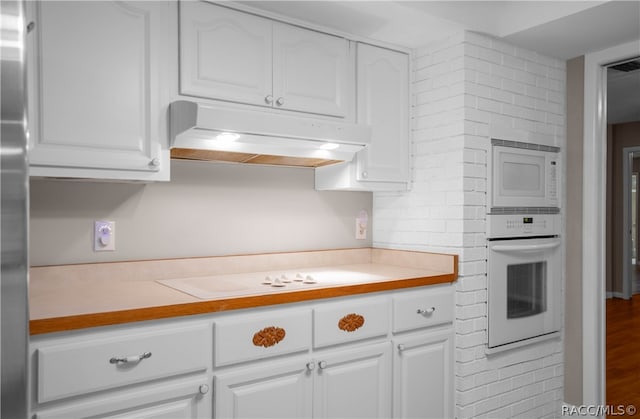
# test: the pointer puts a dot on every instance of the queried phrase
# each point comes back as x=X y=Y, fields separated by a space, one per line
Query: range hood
x=206 y=132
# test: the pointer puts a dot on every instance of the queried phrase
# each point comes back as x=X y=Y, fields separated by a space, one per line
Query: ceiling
x=560 y=29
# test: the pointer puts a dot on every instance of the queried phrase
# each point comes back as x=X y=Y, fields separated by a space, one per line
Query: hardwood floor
x=623 y=351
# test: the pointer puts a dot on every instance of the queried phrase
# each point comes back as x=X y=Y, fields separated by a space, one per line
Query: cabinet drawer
x=81 y=367
x=424 y=308
x=350 y=320
x=262 y=335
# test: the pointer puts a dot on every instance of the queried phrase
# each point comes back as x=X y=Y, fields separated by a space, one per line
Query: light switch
x=104 y=236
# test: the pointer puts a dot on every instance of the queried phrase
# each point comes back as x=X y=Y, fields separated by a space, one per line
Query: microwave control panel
x=552 y=180
x=522 y=225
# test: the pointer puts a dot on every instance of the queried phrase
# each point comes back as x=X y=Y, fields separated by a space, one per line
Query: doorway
x=623 y=311
x=594 y=218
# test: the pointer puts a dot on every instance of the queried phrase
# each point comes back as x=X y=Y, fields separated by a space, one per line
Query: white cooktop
x=261 y=283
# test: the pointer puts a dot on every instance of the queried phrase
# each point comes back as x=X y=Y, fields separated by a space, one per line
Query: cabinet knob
x=268 y=99
x=365 y=174
x=31 y=26
x=311 y=366
x=427 y=311
x=322 y=364
x=280 y=101
x=155 y=162
x=401 y=347
x=203 y=389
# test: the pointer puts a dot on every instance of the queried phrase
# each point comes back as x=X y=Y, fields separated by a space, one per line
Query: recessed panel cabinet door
x=95 y=85
x=423 y=378
x=383 y=103
x=310 y=71
x=354 y=383
x=224 y=54
x=276 y=390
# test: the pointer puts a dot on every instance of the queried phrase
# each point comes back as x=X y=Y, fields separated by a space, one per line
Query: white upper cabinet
x=96 y=87
x=382 y=101
x=224 y=54
x=310 y=71
x=238 y=57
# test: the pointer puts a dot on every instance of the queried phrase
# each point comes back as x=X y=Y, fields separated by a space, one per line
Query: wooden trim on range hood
x=228 y=156
x=261 y=137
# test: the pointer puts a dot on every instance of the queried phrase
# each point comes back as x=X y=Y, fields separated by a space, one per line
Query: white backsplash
x=208 y=209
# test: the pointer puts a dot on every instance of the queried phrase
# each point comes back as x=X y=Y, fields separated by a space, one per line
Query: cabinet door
x=97 y=73
x=423 y=376
x=269 y=390
x=186 y=400
x=310 y=71
x=383 y=103
x=224 y=54
x=354 y=383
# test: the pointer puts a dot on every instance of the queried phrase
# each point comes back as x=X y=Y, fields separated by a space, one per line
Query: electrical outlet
x=361 y=230
x=362 y=221
x=104 y=236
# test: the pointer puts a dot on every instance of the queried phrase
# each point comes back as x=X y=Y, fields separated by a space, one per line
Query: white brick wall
x=466 y=89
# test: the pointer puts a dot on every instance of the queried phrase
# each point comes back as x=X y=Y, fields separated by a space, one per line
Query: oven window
x=526 y=289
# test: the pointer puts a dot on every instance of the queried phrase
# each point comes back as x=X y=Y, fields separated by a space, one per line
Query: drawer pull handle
x=427 y=311
x=129 y=359
x=351 y=322
x=269 y=336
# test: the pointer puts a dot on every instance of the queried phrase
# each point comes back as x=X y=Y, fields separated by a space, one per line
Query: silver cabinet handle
x=268 y=99
x=203 y=389
x=129 y=359
x=401 y=347
x=154 y=162
x=427 y=311
x=311 y=366
x=280 y=101
x=322 y=364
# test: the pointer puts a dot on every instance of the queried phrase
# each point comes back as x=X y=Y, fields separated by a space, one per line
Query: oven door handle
x=505 y=248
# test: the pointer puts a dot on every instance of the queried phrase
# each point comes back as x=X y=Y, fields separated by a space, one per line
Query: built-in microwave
x=524 y=176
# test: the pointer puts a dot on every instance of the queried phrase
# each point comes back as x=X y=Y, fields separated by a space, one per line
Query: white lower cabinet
x=423 y=375
x=376 y=356
x=272 y=389
x=354 y=383
x=152 y=371
x=183 y=399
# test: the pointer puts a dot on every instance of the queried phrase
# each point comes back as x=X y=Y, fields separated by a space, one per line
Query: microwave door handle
x=505 y=248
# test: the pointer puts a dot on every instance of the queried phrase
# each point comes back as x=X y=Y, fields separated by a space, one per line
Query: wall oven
x=523 y=175
x=524 y=278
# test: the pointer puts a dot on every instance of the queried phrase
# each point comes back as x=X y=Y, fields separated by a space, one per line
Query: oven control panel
x=522 y=225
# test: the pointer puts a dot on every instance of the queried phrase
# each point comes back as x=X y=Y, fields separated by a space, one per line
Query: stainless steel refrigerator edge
x=14 y=187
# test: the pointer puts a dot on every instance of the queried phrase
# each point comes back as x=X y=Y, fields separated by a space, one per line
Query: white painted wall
x=207 y=209
x=468 y=88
